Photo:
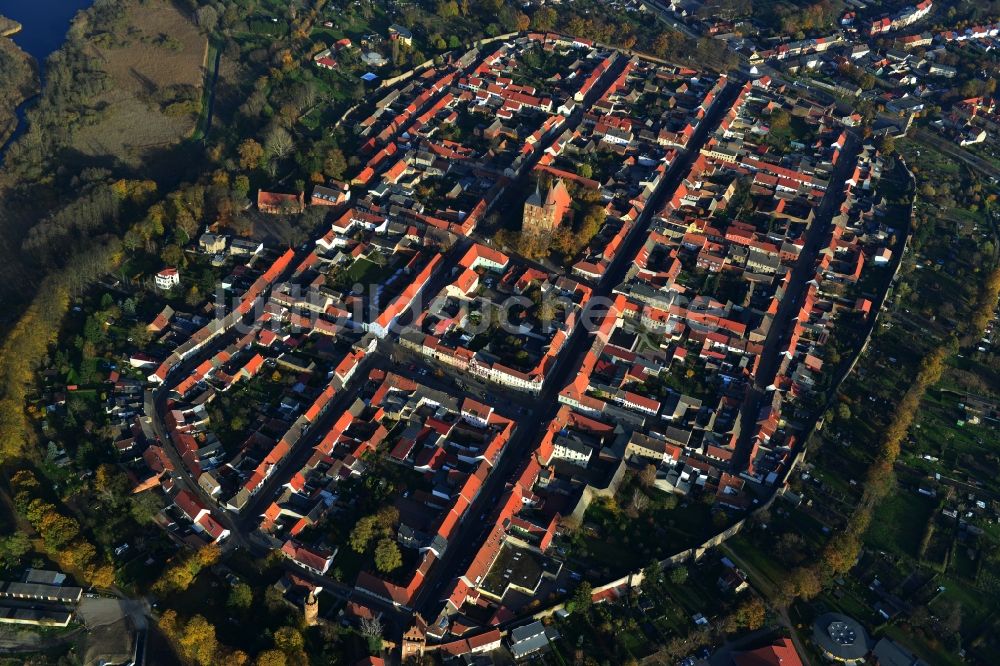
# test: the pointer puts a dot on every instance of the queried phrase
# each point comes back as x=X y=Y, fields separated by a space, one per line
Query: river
x=43 y=28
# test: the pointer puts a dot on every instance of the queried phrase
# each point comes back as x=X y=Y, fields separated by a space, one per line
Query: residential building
x=167 y=279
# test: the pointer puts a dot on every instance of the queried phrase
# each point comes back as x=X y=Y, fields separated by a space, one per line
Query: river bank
x=19 y=80
x=29 y=32
x=9 y=27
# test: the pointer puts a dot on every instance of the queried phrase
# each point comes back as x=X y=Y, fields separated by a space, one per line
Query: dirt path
x=766 y=587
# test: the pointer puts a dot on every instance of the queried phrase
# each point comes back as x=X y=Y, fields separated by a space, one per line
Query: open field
x=156 y=71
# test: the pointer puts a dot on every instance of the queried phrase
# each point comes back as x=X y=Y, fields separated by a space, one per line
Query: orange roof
x=275 y=198
x=781 y=653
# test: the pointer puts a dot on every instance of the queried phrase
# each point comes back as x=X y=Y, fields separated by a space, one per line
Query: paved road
x=668 y=17
x=784 y=319
x=155 y=406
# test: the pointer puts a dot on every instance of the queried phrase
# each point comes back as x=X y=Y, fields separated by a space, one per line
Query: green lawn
x=763 y=563
x=899 y=523
x=366 y=272
x=612 y=540
x=976 y=607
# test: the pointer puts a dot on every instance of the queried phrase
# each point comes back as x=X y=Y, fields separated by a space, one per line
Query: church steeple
x=311 y=609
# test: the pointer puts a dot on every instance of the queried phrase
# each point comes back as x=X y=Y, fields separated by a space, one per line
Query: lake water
x=44 y=23
x=43 y=29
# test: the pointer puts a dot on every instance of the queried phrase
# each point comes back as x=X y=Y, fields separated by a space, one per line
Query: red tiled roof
x=189 y=504
x=782 y=653
x=212 y=526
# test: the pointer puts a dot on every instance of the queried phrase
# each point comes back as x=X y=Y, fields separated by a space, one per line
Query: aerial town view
x=489 y=332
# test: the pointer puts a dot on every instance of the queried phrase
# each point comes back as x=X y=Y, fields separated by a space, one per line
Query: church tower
x=311 y=609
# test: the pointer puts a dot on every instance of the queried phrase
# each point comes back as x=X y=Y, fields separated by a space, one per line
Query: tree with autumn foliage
x=986 y=305
x=196 y=642
x=751 y=614
x=251 y=154
x=185 y=568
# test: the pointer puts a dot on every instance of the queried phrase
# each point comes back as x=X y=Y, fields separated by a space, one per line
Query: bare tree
x=639 y=500
x=648 y=475
x=279 y=142
x=371 y=627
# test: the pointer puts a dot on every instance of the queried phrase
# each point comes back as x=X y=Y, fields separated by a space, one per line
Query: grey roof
x=677 y=436
x=40 y=592
x=44 y=576
x=840 y=636
x=536 y=198
x=890 y=653
x=528 y=639
x=527 y=631
x=53 y=616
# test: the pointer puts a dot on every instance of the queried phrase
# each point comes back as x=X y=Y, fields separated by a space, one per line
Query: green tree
x=289 y=640
x=12 y=548
x=144 y=507
x=271 y=658
x=679 y=575
x=887 y=145
x=172 y=255
x=198 y=641
x=207 y=18
x=362 y=534
x=447 y=9
x=141 y=336
x=57 y=530
x=582 y=598
x=544 y=19
x=240 y=596
x=652 y=577
x=335 y=164
x=387 y=556
x=111 y=482
x=241 y=187
x=752 y=614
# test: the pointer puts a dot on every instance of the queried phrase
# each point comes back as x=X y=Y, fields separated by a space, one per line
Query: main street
x=784 y=319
